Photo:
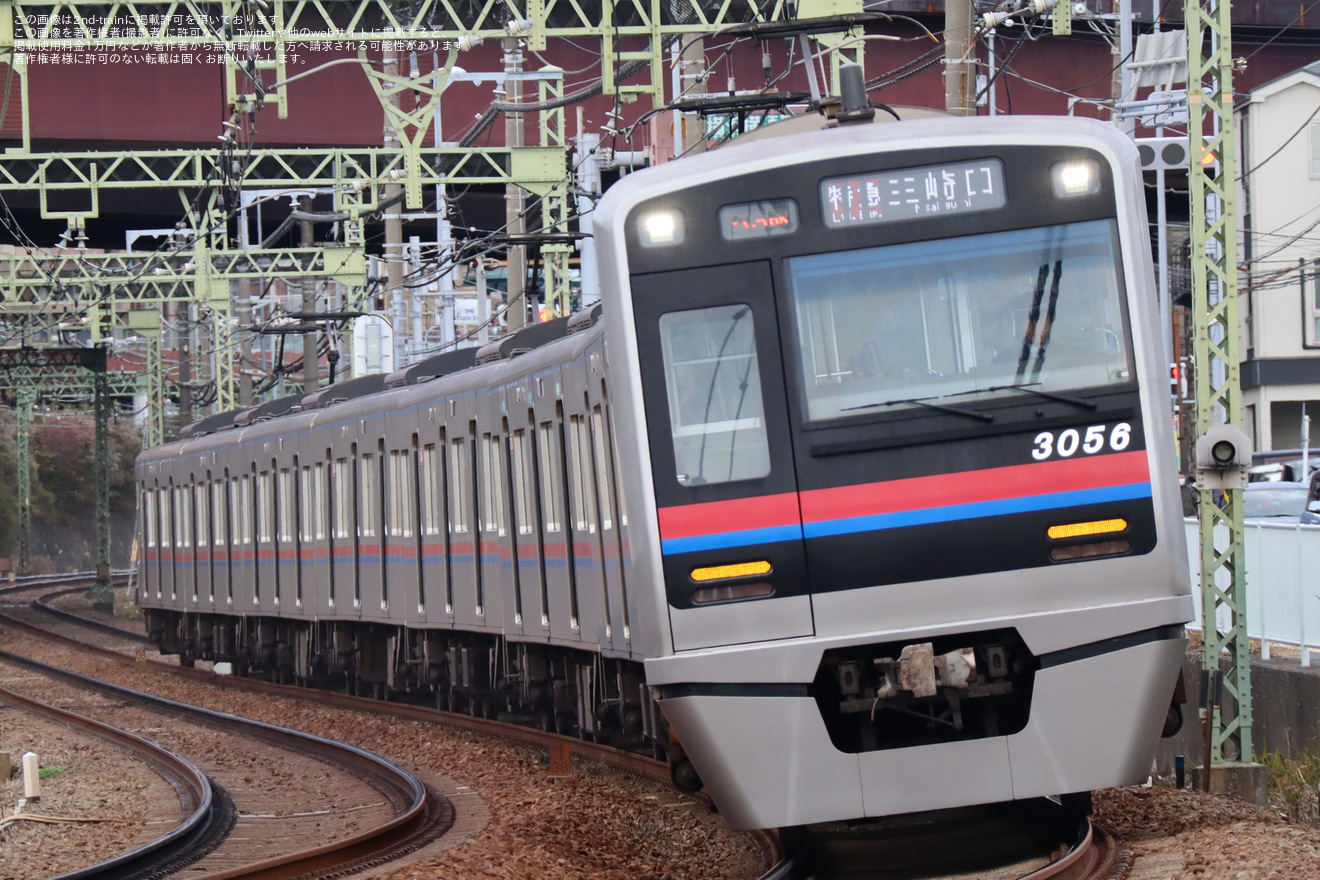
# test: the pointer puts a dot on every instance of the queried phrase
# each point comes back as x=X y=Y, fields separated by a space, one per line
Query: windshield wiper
x=924 y=402
x=1023 y=386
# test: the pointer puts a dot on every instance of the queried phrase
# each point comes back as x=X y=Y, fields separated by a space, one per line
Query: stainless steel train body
x=876 y=498
x=911 y=512
x=452 y=529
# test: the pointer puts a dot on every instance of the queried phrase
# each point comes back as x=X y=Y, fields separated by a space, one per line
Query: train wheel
x=684 y=775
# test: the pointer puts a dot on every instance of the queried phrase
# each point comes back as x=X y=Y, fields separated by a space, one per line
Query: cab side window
x=716 y=412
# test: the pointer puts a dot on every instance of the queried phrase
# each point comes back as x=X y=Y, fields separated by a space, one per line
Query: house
x=1278 y=204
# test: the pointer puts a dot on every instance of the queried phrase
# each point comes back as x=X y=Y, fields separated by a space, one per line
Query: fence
x=1283 y=583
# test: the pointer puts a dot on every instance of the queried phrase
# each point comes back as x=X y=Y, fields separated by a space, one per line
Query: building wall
x=1284 y=202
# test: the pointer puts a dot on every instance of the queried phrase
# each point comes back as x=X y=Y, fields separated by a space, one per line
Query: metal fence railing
x=1283 y=583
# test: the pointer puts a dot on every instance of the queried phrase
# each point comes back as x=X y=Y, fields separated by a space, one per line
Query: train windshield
x=960 y=320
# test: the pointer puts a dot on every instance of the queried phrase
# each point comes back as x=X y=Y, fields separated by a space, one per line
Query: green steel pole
x=1218 y=392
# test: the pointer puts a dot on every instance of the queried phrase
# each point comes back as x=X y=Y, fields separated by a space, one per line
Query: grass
x=1295 y=785
x=48 y=772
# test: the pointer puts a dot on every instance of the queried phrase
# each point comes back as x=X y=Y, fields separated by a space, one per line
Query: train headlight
x=1077 y=178
x=660 y=229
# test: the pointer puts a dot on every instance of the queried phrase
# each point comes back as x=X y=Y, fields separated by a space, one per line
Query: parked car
x=1279 y=501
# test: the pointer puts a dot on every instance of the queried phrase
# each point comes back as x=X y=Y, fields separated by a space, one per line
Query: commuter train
x=855 y=496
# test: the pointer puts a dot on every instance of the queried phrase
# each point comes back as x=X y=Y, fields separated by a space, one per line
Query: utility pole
x=1212 y=192
x=102 y=593
x=27 y=397
x=394 y=214
x=959 y=68
x=311 y=367
x=514 y=195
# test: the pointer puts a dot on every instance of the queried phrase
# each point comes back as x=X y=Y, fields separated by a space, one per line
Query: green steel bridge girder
x=176 y=23
x=353 y=174
x=41 y=285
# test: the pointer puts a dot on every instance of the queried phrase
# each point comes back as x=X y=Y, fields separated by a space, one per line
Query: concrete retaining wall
x=1285 y=699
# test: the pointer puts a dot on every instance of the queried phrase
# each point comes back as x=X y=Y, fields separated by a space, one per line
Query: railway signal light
x=1223 y=454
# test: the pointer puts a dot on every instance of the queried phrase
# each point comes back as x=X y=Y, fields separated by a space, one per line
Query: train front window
x=714 y=387
x=955 y=321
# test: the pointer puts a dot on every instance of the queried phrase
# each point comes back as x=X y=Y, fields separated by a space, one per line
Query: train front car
x=914 y=527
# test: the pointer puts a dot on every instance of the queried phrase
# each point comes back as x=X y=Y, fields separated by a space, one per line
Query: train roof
x=271 y=409
x=523 y=341
x=349 y=389
x=433 y=367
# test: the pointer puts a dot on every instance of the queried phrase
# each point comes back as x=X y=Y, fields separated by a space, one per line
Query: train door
x=526 y=527
x=165 y=516
x=150 y=548
x=303 y=535
x=463 y=591
x=721 y=455
x=370 y=593
x=180 y=504
x=594 y=618
x=315 y=545
x=495 y=563
x=203 y=585
x=436 y=599
x=343 y=598
x=222 y=588
x=244 y=571
x=603 y=478
x=265 y=596
x=559 y=590
x=401 y=563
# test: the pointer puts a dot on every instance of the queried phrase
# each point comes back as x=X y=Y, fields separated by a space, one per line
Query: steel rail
x=199 y=828
x=418 y=815
x=632 y=763
x=43 y=603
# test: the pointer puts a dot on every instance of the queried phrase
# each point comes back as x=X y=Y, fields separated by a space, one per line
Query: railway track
x=399 y=813
x=1038 y=841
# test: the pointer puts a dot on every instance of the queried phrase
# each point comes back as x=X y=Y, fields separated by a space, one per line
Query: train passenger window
x=579 y=460
x=369 y=496
x=492 y=489
x=984 y=316
x=203 y=507
x=392 y=500
x=400 y=492
x=430 y=480
x=149 y=510
x=166 y=519
x=551 y=486
x=319 y=500
x=523 y=480
x=218 y=531
x=340 y=477
x=181 y=508
x=713 y=379
x=458 y=485
x=245 y=507
x=287 y=498
x=614 y=447
x=307 y=511
x=604 y=473
x=265 y=508
x=236 y=510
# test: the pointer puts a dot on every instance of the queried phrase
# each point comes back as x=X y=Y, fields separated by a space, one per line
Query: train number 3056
x=1069 y=442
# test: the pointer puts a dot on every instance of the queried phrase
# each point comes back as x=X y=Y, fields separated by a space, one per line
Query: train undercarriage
x=567 y=691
